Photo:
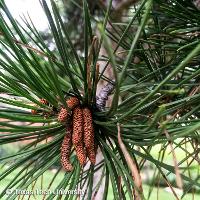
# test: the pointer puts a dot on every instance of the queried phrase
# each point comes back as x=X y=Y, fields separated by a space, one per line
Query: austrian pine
x=106 y=100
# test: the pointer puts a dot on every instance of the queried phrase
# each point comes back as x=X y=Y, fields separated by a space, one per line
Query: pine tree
x=153 y=52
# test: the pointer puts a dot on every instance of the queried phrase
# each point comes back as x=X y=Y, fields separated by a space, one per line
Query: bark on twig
x=103 y=96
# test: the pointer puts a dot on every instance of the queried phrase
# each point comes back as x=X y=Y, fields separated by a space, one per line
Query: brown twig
x=170 y=186
x=179 y=181
x=90 y=59
x=97 y=74
x=120 y=185
x=138 y=192
x=194 y=90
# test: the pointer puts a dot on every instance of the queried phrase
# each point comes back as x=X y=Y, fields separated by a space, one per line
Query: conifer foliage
x=49 y=99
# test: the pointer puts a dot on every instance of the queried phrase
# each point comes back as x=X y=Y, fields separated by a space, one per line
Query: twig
x=138 y=192
x=120 y=185
x=91 y=53
x=179 y=181
x=170 y=186
x=96 y=74
x=194 y=91
x=103 y=96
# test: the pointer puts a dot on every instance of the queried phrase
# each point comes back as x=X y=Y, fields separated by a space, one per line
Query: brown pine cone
x=77 y=135
x=66 y=150
x=88 y=128
x=34 y=112
x=80 y=152
x=63 y=115
x=72 y=102
x=44 y=101
x=91 y=155
x=88 y=135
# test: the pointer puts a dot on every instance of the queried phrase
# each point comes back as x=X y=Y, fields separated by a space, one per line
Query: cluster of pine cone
x=42 y=101
x=51 y=112
x=80 y=134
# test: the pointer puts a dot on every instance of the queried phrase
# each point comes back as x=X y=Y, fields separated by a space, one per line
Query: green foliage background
x=159 y=94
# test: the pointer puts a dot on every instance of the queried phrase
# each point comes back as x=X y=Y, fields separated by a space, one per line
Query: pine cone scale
x=91 y=155
x=88 y=128
x=63 y=115
x=72 y=102
x=80 y=152
x=66 y=150
x=89 y=135
x=77 y=126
